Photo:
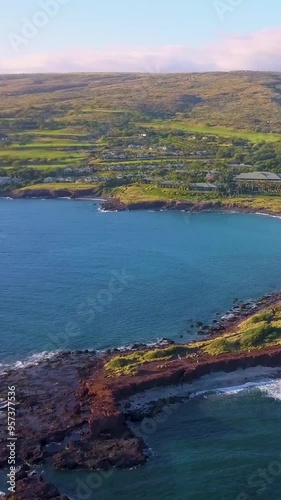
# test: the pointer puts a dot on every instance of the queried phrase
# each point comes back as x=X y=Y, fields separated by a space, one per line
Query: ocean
x=73 y=277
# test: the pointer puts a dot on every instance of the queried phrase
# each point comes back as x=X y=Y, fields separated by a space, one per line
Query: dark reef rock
x=187 y=206
x=69 y=408
x=35 y=488
x=101 y=454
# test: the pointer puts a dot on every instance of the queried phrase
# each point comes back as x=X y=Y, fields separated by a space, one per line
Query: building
x=259 y=182
x=203 y=186
x=170 y=184
x=8 y=180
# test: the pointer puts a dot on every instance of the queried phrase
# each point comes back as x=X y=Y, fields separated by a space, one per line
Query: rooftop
x=258 y=176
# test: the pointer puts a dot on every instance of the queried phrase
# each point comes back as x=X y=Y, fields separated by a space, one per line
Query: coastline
x=84 y=421
x=114 y=205
x=109 y=204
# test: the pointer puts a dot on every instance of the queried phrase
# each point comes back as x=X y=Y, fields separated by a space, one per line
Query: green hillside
x=135 y=129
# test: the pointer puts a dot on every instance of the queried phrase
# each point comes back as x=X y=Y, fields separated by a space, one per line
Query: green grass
x=148 y=193
x=42 y=168
x=126 y=365
x=141 y=192
x=39 y=154
x=218 y=131
x=71 y=186
x=51 y=144
x=259 y=331
x=48 y=133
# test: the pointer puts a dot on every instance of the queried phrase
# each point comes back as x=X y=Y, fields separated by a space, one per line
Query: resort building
x=259 y=182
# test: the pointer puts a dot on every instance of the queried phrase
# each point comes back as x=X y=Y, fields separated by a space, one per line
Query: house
x=258 y=176
x=169 y=184
x=4 y=181
x=259 y=181
x=203 y=186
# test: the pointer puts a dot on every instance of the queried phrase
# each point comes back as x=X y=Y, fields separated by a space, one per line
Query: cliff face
x=53 y=193
x=83 y=408
x=188 y=206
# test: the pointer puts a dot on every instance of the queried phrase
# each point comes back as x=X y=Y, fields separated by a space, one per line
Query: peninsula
x=75 y=410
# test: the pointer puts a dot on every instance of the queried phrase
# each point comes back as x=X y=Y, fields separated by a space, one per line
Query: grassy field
x=72 y=187
x=259 y=331
x=41 y=168
x=65 y=133
x=247 y=101
x=217 y=131
x=142 y=193
x=46 y=154
x=78 y=119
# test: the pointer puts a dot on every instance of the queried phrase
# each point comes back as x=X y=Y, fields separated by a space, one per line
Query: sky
x=146 y=36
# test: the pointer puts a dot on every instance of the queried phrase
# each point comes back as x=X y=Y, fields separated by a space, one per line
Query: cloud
x=255 y=51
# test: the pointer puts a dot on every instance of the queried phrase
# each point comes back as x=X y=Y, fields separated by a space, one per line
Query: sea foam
x=272 y=390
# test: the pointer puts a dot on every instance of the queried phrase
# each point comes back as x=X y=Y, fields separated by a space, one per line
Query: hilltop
x=157 y=131
x=239 y=100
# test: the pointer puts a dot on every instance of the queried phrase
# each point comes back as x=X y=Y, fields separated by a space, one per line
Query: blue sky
x=125 y=26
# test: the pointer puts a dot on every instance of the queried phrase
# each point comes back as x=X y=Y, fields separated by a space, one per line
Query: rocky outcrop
x=101 y=454
x=113 y=205
x=188 y=206
x=34 y=488
x=70 y=413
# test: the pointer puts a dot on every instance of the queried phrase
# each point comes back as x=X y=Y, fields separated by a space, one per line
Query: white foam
x=103 y=211
x=272 y=390
x=232 y=390
x=219 y=383
x=269 y=215
x=33 y=360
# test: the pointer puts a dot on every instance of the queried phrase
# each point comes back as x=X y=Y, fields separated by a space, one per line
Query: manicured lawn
x=219 y=131
x=39 y=154
x=71 y=186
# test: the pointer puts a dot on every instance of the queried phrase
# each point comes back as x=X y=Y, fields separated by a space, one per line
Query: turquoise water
x=221 y=447
x=73 y=277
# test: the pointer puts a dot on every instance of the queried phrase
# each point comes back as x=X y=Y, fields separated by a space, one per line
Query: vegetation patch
x=127 y=364
x=217 y=131
x=72 y=187
x=260 y=331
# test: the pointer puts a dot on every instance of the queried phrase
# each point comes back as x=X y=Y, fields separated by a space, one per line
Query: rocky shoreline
x=69 y=410
x=115 y=205
x=51 y=193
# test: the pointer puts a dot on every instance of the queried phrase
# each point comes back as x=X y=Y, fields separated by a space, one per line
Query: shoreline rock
x=114 y=205
x=68 y=407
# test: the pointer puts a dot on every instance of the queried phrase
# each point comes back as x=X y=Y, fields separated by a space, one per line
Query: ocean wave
x=33 y=360
x=103 y=211
x=232 y=390
x=269 y=215
x=272 y=390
